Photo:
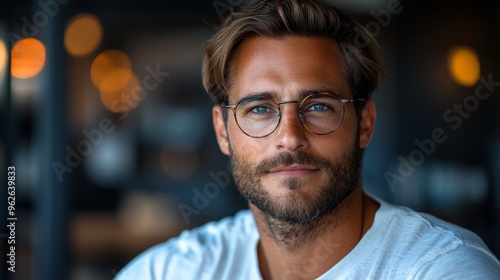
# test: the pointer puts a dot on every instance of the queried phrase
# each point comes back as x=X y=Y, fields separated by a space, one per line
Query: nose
x=291 y=134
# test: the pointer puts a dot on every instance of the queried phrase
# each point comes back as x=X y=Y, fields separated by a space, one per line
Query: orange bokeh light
x=123 y=99
x=83 y=35
x=463 y=64
x=28 y=58
x=3 y=56
x=111 y=66
x=115 y=79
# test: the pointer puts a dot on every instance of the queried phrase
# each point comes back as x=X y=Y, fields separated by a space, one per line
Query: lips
x=293 y=170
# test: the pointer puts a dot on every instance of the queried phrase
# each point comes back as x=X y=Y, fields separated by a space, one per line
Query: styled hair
x=277 y=18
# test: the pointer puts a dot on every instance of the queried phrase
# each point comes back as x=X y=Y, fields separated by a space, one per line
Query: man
x=292 y=81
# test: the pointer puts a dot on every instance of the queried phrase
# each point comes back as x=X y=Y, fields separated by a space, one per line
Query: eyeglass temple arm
x=232 y=107
x=347 y=101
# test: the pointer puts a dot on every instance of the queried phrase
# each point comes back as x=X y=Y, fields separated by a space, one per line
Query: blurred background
x=105 y=120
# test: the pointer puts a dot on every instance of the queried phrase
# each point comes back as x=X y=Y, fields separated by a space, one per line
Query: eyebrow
x=303 y=94
x=320 y=90
x=263 y=95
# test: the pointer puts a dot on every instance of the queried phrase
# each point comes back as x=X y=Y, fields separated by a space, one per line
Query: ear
x=367 y=123
x=220 y=129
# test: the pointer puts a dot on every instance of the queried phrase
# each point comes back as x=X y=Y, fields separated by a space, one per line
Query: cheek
x=238 y=141
x=235 y=136
x=248 y=149
x=337 y=143
x=328 y=147
x=349 y=128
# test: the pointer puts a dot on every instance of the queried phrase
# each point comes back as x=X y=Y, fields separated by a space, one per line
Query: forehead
x=287 y=67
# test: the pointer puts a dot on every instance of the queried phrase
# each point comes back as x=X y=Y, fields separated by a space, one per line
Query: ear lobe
x=220 y=129
x=367 y=123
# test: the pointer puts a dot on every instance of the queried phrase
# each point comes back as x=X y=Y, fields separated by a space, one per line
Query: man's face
x=293 y=175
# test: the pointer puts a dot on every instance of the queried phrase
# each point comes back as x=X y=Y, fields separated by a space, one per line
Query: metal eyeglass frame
x=233 y=107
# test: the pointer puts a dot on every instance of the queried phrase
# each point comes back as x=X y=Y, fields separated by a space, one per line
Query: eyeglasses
x=320 y=113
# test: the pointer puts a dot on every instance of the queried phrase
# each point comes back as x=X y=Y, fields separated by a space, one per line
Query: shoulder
x=425 y=227
x=431 y=246
x=194 y=252
x=465 y=262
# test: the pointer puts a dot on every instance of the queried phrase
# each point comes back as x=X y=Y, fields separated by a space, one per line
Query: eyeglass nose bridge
x=299 y=105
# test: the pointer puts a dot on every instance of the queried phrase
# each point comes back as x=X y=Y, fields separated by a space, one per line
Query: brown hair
x=273 y=18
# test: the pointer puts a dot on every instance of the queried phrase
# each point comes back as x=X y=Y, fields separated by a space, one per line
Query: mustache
x=287 y=158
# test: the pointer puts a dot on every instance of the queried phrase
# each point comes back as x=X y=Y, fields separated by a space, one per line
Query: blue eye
x=260 y=110
x=318 y=107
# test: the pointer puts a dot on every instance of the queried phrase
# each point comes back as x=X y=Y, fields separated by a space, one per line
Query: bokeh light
x=115 y=79
x=463 y=64
x=112 y=159
x=28 y=58
x=83 y=35
x=122 y=99
x=111 y=71
x=3 y=56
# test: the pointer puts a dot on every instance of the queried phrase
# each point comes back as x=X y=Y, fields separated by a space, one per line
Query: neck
x=308 y=250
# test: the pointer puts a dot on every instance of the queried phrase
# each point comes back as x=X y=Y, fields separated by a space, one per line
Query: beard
x=339 y=179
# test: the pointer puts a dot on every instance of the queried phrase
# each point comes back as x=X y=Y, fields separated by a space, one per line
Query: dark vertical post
x=51 y=204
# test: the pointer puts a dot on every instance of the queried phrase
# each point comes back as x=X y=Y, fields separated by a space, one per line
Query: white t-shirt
x=401 y=244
